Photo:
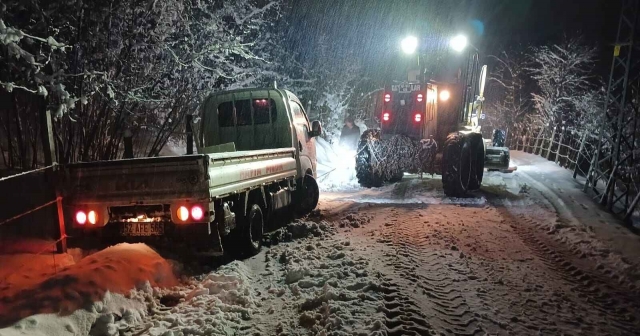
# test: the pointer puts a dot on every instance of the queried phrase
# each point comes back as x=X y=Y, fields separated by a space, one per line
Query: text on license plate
x=142 y=229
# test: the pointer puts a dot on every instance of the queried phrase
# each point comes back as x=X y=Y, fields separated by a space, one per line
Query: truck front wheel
x=253 y=229
x=456 y=165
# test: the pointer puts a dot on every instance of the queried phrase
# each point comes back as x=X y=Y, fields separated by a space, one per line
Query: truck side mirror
x=316 y=129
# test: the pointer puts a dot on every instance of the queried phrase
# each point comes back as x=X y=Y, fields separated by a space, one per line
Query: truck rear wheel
x=477 y=161
x=253 y=229
x=365 y=172
x=309 y=194
x=456 y=165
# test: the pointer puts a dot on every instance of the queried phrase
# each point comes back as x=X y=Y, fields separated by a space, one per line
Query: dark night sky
x=371 y=29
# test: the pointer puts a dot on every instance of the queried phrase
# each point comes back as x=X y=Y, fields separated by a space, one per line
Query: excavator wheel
x=365 y=173
x=456 y=165
x=477 y=161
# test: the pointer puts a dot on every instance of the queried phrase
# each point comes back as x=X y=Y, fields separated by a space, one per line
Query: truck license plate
x=142 y=229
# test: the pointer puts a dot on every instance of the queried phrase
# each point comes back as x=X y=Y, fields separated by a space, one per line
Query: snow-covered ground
x=528 y=254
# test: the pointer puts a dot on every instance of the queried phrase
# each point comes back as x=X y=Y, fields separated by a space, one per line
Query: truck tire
x=308 y=195
x=456 y=165
x=397 y=177
x=477 y=161
x=253 y=230
x=365 y=173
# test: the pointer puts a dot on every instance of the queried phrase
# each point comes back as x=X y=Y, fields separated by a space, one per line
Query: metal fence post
x=560 y=146
x=553 y=137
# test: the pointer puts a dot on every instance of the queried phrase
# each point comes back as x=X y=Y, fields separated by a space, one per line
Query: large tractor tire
x=477 y=161
x=456 y=165
x=365 y=173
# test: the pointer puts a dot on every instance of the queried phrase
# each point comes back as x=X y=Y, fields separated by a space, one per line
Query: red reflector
x=385 y=116
x=196 y=212
x=419 y=97
x=387 y=97
x=418 y=117
x=81 y=217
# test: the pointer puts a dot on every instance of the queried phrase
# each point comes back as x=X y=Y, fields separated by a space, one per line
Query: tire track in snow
x=448 y=310
x=621 y=308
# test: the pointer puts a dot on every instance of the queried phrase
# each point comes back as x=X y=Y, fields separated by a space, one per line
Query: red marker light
x=196 y=212
x=81 y=217
x=385 y=116
x=418 y=117
x=419 y=97
x=387 y=97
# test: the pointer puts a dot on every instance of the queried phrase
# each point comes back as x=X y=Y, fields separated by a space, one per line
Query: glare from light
x=183 y=213
x=418 y=117
x=387 y=97
x=385 y=116
x=81 y=217
x=458 y=43
x=420 y=97
x=409 y=45
x=93 y=217
x=445 y=95
x=197 y=213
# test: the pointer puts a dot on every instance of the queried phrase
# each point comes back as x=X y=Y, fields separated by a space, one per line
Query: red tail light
x=386 y=116
x=419 y=98
x=197 y=213
x=418 y=117
x=387 y=97
x=81 y=217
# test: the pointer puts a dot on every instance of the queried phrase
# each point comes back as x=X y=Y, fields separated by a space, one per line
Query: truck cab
x=254 y=119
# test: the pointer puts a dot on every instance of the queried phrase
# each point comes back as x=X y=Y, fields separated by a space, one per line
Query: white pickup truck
x=256 y=156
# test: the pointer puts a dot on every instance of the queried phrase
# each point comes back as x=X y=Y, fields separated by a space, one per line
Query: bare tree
x=563 y=74
x=509 y=101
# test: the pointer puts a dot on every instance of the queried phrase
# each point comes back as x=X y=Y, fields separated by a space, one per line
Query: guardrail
x=30 y=197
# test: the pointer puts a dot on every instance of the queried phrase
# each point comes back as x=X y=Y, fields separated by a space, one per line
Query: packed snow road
x=503 y=261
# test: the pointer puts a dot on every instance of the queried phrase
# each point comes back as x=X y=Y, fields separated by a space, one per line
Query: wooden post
x=189 y=130
x=553 y=137
x=61 y=246
x=560 y=146
x=48 y=144
x=128 y=145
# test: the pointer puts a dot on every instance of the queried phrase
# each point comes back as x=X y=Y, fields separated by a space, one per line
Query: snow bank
x=336 y=167
x=100 y=291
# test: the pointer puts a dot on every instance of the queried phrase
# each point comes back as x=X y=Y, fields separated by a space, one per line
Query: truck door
x=305 y=144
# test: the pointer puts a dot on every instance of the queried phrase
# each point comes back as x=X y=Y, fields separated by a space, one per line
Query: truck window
x=225 y=114
x=261 y=109
x=297 y=113
x=243 y=112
